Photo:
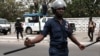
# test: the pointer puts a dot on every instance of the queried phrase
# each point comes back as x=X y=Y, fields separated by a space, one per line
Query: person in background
x=59 y=31
x=91 y=28
x=36 y=6
x=44 y=8
x=98 y=37
x=18 y=28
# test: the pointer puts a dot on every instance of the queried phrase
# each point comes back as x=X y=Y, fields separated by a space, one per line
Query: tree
x=83 y=8
x=10 y=10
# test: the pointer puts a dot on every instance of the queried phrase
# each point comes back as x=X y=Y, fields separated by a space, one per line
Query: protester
x=91 y=28
x=59 y=31
x=18 y=28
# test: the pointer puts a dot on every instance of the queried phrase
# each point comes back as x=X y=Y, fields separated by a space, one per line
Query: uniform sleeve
x=46 y=29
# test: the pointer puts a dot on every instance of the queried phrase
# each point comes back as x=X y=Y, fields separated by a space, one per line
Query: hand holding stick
x=26 y=47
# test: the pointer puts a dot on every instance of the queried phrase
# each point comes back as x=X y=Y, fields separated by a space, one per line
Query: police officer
x=18 y=28
x=59 y=31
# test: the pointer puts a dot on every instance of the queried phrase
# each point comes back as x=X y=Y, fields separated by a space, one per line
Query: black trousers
x=90 y=33
x=21 y=34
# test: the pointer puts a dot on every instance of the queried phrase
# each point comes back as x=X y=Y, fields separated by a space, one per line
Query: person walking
x=59 y=31
x=18 y=28
x=91 y=28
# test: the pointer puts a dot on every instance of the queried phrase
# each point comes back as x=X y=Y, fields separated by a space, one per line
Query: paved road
x=41 y=49
x=81 y=36
x=9 y=42
x=12 y=37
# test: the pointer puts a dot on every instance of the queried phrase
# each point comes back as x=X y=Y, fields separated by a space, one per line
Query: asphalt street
x=81 y=36
x=41 y=49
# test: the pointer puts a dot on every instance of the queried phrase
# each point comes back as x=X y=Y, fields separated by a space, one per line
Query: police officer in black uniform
x=19 y=28
x=59 y=31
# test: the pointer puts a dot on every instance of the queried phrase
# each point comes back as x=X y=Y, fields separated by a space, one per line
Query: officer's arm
x=77 y=43
x=29 y=42
x=74 y=40
x=39 y=38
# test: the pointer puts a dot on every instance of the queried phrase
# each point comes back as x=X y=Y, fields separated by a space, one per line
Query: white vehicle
x=5 y=26
x=34 y=24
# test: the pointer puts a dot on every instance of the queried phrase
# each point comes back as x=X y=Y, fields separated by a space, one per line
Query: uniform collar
x=58 y=20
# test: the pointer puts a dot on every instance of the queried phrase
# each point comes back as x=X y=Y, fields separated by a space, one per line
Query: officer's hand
x=28 y=42
x=82 y=47
x=97 y=39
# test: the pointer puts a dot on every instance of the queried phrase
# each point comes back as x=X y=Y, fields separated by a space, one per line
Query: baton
x=9 y=52
x=91 y=43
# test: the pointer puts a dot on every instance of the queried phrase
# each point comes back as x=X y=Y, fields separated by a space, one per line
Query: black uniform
x=19 y=29
x=58 y=37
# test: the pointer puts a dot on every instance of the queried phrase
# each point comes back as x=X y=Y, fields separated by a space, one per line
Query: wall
x=82 y=23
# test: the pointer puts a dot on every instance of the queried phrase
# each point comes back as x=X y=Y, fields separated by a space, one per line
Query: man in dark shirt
x=18 y=28
x=59 y=31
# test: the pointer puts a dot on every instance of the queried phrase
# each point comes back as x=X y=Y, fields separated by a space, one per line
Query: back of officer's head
x=58 y=4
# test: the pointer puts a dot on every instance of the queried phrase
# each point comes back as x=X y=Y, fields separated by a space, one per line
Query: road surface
x=41 y=49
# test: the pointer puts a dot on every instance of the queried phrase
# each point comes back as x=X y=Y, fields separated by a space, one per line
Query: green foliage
x=82 y=8
x=79 y=8
x=10 y=11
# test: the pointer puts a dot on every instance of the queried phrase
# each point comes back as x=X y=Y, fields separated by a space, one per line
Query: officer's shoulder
x=50 y=20
x=65 y=20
